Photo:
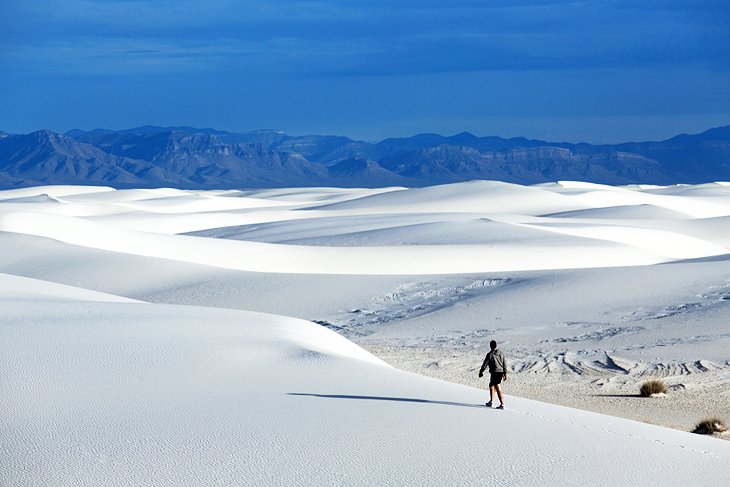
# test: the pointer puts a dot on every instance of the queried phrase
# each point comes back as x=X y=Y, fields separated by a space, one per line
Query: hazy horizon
x=376 y=140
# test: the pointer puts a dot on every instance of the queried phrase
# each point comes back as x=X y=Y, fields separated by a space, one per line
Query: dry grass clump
x=710 y=426
x=652 y=387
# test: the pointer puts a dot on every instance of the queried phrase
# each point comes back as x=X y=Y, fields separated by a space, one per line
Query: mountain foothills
x=186 y=157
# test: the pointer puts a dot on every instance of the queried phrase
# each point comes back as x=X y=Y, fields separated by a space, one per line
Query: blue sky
x=597 y=71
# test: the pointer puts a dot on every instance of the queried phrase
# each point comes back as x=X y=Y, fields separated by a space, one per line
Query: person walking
x=497 y=373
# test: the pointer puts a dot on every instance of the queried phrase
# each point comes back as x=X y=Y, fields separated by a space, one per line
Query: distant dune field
x=170 y=337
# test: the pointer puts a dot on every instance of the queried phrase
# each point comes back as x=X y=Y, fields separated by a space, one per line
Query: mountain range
x=187 y=157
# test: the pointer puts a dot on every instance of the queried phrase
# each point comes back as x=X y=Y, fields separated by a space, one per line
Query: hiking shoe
x=489 y=404
x=501 y=406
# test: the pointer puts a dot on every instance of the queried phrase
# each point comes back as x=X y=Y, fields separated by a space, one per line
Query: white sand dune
x=176 y=223
x=474 y=196
x=196 y=203
x=433 y=217
x=17 y=288
x=99 y=388
x=140 y=394
x=262 y=257
x=305 y=196
x=41 y=198
x=700 y=201
x=54 y=191
x=672 y=245
x=391 y=230
x=642 y=212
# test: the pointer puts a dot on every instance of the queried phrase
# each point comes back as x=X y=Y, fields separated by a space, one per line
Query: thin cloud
x=361 y=39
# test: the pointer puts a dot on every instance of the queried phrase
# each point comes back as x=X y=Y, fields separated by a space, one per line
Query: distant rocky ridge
x=187 y=157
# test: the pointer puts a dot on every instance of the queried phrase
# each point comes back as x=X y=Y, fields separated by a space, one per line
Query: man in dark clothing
x=497 y=373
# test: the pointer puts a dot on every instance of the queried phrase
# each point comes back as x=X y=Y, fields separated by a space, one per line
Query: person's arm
x=484 y=366
x=504 y=367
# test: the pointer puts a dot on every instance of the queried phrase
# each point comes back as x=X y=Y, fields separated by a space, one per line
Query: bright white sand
x=99 y=389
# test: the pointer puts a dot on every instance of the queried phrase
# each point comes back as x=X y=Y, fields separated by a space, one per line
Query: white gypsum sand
x=145 y=394
x=590 y=289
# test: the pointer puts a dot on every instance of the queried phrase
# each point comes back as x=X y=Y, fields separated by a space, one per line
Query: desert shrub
x=652 y=386
x=709 y=426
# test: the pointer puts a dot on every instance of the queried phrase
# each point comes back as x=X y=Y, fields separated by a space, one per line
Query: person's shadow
x=385 y=398
x=617 y=395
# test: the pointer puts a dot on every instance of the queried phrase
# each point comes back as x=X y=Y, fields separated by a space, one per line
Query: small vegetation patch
x=652 y=387
x=710 y=426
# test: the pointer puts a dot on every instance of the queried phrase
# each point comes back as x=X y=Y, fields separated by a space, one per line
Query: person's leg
x=499 y=393
x=491 y=393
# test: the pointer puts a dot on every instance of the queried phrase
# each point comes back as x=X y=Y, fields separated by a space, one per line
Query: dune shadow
x=387 y=398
